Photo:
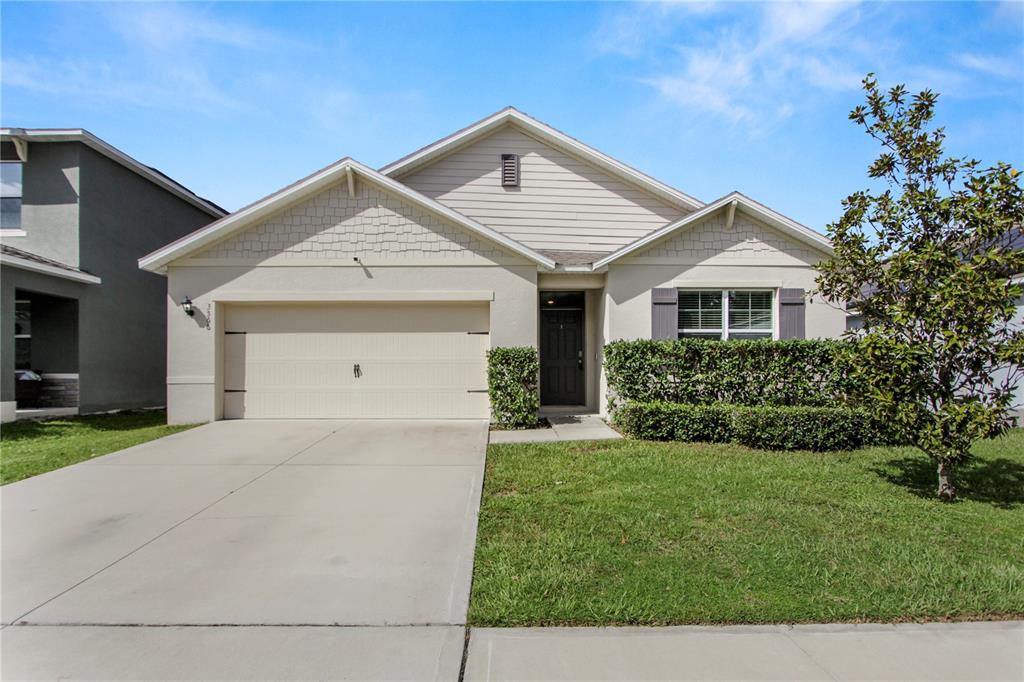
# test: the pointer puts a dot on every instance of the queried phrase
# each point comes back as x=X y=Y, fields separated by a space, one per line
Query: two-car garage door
x=356 y=360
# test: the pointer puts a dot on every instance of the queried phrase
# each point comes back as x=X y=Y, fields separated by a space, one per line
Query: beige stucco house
x=368 y=293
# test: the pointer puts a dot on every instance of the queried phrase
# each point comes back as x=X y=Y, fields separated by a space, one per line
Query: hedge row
x=765 y=428
x=700 y=371
x=513 y=386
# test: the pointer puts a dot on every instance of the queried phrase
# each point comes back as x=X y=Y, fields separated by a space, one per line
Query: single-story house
x=374 y=293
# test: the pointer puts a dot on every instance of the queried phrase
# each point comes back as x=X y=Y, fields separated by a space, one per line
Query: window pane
x=23 y=318
x=22 y=353
x=700 y=309
x=10 y=212
x=10 y=180
x=748 y=336
x=716 y=336
x=750 y=310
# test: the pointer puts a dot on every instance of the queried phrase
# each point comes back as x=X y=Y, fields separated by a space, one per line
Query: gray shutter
x=664 y=313
x=792 y=314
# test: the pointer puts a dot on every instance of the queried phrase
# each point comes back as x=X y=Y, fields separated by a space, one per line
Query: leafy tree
x=929 y=263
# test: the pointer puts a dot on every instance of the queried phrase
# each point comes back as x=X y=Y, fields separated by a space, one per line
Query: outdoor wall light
x=186 y=305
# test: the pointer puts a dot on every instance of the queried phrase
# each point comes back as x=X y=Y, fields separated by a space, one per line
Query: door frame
x=582 y=309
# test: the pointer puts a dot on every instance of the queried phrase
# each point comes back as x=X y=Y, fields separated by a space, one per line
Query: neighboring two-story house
x=76 y=310
x=368 y=293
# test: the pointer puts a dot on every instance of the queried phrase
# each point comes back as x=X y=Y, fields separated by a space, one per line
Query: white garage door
x=356 y=360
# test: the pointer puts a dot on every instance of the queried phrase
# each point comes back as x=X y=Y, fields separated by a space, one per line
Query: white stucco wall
x=307 y=252
x=749 y=255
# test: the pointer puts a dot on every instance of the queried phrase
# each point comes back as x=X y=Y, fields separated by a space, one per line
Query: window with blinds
x=509 y=170
x=718 y=314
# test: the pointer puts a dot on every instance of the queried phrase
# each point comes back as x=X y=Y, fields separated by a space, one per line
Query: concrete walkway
x=579 y=427
x=941 y=651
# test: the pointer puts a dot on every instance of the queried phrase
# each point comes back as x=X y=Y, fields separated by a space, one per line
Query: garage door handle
x=356 y=372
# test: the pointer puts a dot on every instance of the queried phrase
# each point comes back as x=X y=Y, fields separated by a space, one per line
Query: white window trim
x=13 y=232
x=723 y=331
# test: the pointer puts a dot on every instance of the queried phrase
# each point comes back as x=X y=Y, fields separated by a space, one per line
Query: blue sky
x=236 y=100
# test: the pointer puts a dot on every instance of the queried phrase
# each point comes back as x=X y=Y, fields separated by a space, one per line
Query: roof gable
x=730 y=202
x=548 y=135
x=344 y=171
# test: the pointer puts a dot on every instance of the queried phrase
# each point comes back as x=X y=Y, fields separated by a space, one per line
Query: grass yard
x=631 y=532
x=32 y=448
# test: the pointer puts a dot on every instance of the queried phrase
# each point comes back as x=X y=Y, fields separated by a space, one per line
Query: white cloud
x=1000 y=67
x=175 y=27
x=762 y=64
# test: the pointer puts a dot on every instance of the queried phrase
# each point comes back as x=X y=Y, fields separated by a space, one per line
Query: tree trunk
x=947 y=492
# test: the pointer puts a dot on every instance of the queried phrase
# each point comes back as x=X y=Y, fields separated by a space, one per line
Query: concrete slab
x=202 y=653
x=634 y=654
x=390 y=442
x=227 y=442
x=565 y=427
x=59 y=528
x=965 y=651
x=933 y=651
x=305 y=544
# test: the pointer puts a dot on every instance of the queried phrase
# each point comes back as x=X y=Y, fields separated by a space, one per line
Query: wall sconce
x=186 y=305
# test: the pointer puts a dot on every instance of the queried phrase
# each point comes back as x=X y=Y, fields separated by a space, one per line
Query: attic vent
x=509 y=170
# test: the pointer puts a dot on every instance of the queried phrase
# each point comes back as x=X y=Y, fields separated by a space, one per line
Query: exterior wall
x=561 y=203
x=307 y=252
x=123 y=333
x=194 y=363
x=49 y=204
x=750 y=255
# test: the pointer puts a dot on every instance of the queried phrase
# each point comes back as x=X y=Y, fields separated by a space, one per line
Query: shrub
x=701 y=371
x=676 y=421
x=766 y=428
x=513 y=386
x=801 y=428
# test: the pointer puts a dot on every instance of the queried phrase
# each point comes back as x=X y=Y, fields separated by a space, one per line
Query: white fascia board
x=547 y=134
x=246 y=217
x=776 y=220
x=35 y=266
x=351 y=296
x=111 y=152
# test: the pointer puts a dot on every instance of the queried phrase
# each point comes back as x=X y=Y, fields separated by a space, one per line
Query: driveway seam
x=810 y=658
x=92 y=575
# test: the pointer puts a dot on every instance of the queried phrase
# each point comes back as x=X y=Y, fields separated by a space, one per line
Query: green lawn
x=629 y=532
x=31 y=448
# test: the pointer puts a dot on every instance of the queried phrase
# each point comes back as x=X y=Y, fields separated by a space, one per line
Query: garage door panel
x=293 y=365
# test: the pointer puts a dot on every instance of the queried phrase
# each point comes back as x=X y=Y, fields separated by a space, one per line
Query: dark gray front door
x=561 y=357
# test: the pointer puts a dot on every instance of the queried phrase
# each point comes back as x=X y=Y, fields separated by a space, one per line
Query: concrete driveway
x=281 y=530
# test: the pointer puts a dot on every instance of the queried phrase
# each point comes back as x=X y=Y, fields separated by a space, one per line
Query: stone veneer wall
x=59 y=391
x=332 y=224
x=747 y=238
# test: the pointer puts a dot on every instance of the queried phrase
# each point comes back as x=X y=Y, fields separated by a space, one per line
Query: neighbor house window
x=10 y=195
x=726 y=314
x=22 y=334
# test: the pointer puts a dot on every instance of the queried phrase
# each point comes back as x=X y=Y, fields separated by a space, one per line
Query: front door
x=561 y=357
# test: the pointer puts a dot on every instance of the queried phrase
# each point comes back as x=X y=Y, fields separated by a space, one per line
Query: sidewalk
x=568 y=427
x=934 y=651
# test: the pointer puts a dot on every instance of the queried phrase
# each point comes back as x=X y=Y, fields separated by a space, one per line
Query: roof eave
x=159 y=259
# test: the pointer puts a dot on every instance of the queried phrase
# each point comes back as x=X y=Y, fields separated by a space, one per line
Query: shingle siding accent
x=334 y=225
x=747 y=238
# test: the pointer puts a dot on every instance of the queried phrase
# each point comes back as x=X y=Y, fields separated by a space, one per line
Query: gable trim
x=789 y=227
x=308 y=186
x=548 y=135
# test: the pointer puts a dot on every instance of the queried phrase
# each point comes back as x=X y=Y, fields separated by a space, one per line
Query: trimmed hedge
x=765 y=428
x=513 y=386
x=701 y=371
x=676 y=421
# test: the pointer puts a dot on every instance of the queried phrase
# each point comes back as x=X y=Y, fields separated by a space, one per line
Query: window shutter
x=664 y=313
x=792 y=314
x=509 y=170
